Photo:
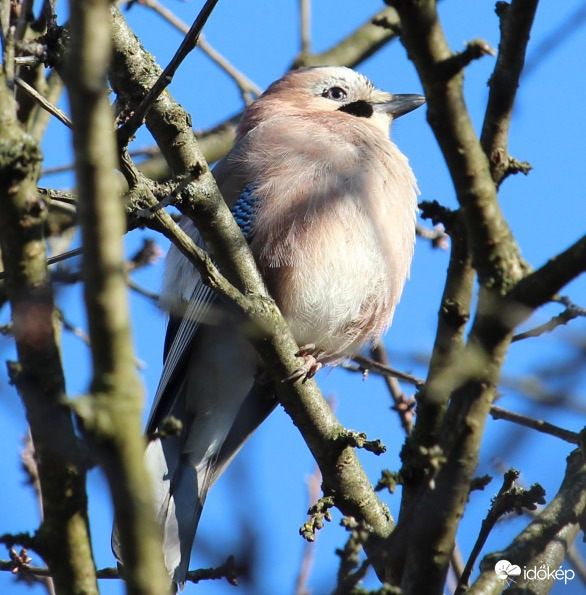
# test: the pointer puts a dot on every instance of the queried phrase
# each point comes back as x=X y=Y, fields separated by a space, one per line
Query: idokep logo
x=506 y=571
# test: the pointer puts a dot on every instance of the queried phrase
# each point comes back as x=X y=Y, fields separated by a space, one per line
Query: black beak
x=400 y=105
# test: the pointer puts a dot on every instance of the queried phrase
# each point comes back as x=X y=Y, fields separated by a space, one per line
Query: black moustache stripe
x=360 y=109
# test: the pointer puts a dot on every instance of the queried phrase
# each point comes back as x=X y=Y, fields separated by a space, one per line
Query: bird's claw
x=311 y=365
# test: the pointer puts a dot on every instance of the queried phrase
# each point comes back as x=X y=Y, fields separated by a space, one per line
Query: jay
x=327 y=203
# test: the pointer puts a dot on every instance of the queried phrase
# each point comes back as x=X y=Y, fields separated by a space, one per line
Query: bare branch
x=453 y=317
x=572 y=311
x=187 y=45
x=510 y=498
x=402 y=405
x=359 y=45
x=305 y=26
x=313 y=488
x=546 y=539
x=44 y=103
x=457 y=402
x=543 y=284
x=111 y=414
x=246 y=86
x=495 y=253
x=63 y=539
x=378 y=368
x=535 y=424
x=229 y=570
x=516 y=22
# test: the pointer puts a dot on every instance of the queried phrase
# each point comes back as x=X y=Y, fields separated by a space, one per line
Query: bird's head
x=330 y=89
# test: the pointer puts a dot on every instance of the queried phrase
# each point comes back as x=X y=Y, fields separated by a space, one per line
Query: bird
x=327 y=203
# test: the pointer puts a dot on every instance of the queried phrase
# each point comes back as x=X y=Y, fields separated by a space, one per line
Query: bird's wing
x=182 y=328
x=210 y=383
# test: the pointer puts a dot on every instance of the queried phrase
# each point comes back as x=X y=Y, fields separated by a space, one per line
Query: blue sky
x=265 y=488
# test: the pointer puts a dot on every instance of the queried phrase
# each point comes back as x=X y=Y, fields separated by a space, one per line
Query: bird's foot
x=311 y=365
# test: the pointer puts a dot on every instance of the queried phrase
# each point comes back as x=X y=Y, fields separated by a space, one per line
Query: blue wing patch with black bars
x=244 y=211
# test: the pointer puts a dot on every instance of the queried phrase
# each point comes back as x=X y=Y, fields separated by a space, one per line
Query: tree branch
x=535 y=424
x=468 y=383
x=495 y=253
x=542 y=285
x=111 y=415
x=546 y=539
x=165 y=78
x=516 y=20
x=247 y=88
x=44 y=103
x=509 y=498
x=362 y=43
x=453 y=317
x=63 y=538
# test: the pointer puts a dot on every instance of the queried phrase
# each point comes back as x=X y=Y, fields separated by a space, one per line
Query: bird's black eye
x=335 y=93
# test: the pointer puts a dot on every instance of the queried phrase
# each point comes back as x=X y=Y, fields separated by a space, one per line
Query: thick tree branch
x=470 y=382
x=453 y=317
x=111 y=414
x=63 y=538
x=542 y=285
x=495 y=253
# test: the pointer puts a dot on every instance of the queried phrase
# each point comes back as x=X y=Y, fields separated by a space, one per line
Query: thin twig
x=516 y=20
x=64 y=256
x=44 y=103
x=572 y=311
x=229 y=570
x=359 y=45
x=248 y=89
x=313 y=486
x=535 y=424
x=27 y=61
x=151 y=295
x=359 y=440
x=126 y=131
x=59 y=169
x=350 y=572
x=29 y=464
x=58 y=195
x=555 y=39
x=402 y=405
x=546 y=539
x=246 y=86
x=305 y=25
x=457 y=562
x=369 y=364
x=54 y=259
